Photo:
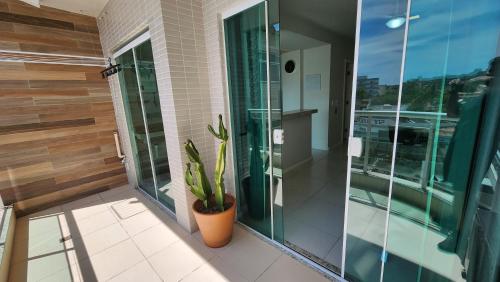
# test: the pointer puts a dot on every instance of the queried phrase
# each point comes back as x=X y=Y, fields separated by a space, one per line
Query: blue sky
x=450 y=37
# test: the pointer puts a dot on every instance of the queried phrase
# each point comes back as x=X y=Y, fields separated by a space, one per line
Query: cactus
x=199 y=184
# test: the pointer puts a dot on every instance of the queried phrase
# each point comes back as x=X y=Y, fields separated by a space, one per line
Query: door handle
x=355 y=147
x=118 y=147
x=278 y=136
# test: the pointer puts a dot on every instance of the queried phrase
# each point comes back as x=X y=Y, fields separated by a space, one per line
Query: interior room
x=317 y=49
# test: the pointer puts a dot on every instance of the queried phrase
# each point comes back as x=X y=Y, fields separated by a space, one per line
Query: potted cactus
x=213 y=210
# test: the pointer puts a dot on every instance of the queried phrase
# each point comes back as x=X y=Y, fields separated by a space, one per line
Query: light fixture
x=397 y=17
x=276 y=27
x=395 y=22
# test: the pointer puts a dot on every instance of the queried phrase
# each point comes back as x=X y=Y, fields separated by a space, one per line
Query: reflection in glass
x=276 y=116
x=135 y=121
x=151 y=101
x=245 y=40
x=143 y=112
x=447 y=77
x=379 y=66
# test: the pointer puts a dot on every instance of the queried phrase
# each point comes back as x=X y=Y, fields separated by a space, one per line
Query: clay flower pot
x=215 y=228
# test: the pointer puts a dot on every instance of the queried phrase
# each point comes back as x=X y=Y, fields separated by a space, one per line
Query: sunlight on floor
x=119 y=235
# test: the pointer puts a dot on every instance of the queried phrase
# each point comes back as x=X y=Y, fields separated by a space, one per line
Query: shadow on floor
x=119 y=235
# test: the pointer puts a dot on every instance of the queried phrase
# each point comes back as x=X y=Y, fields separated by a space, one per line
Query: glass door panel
x=152 y=107
x=380 y=49
x=143 y=112
x=135 y=120
x=246 y=59
x=451 y=47
x=276 y=106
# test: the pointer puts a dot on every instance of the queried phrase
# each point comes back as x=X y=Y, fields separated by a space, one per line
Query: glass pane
x=276 y=116
x=379 y=67
x=135 y=121
x=151 y=100
x=245 y=39
x=451 y=45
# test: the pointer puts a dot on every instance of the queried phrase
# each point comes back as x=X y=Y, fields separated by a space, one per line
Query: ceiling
x=87 y=7
x=338 y=16
x=290 y=40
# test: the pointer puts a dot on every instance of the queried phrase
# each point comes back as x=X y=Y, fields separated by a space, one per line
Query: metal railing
x=416 y=139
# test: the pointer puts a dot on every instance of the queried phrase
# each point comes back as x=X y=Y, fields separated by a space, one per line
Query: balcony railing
x=416 y=143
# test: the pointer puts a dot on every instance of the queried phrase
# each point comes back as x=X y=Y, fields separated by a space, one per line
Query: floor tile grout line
x=269 y=266
x=129 y=237
x=125 y=270
x=331 y=249
x=114 y=245
x=157 y=251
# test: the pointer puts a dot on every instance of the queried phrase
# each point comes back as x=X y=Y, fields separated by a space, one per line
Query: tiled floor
x=119 y=235
x=409 y=243
x=314 y=200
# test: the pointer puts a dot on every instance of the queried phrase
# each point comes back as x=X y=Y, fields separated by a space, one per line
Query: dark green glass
x=135 y=121
x=152 y=107
x=276 y=116
x=245 y=42
x=143 y=112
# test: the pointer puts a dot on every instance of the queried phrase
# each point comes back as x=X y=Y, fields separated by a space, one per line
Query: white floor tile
x=290 y=270
x=248 y=255
x=111 y=261
x=79 y=228
x=180 y=259
x=155 y=239
x=112 y=243
x=140 y=272
x=128 y=208
x=139 y=222
x=214 y=271
x=100 y=240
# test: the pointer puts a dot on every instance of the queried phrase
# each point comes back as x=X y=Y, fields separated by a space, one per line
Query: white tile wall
x=186 y=37
x=212 y=21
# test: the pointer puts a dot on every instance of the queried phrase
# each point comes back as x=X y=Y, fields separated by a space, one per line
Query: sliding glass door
x=250 y=47
x=422 y=199
x=143 y=112
x=379 y=59
x=423 y=191
x=447 y=78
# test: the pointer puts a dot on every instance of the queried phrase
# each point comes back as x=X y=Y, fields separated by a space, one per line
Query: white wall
x=291 y=82
x=342 y=49
x=316 y=61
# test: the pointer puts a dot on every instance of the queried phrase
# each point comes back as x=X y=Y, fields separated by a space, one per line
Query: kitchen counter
x=297 y=148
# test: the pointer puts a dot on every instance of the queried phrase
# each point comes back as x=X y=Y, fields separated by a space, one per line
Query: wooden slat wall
x=47 y=30
x=56 y=121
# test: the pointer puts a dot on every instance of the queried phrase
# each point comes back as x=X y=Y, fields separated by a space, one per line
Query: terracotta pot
x=216 y=229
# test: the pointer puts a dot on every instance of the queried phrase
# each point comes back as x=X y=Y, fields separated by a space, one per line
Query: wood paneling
x=56 y=121
x=47 y=30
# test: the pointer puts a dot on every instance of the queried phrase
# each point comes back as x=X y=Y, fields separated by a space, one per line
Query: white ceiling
x=87 y=7
x=290 y=41
x=335 y=15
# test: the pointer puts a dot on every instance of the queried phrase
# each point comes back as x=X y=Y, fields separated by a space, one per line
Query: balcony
x=120 y=235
